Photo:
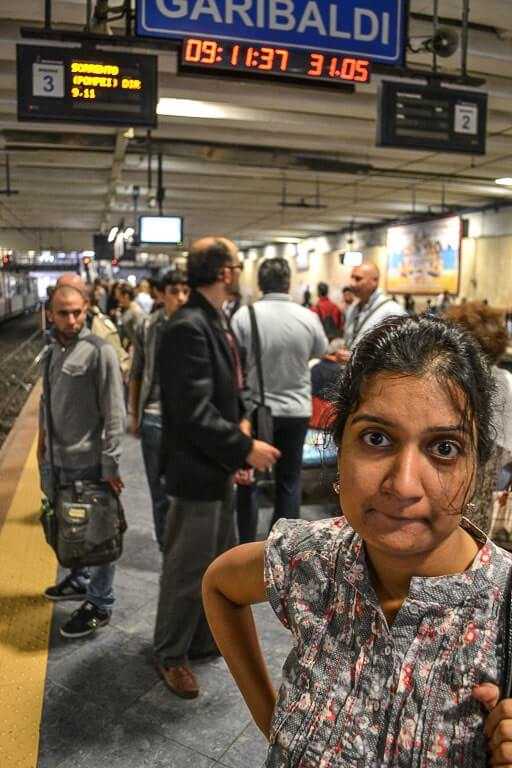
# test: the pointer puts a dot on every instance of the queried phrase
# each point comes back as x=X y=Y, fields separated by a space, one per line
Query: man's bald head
x=364 y=280
x=207 y=258
x=73 y=280
x=64 y=291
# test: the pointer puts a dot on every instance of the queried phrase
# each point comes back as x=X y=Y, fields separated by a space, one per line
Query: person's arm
x=232 y=583
x=135 y=387
x=136 y=375
x=320 y=341
x=111 y=400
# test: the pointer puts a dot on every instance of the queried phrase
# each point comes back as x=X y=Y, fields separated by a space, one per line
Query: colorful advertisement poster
x=424 y=257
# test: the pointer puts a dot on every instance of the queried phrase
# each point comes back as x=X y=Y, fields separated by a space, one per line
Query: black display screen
x=431 y=117
x=79 y=86
x=313 y=66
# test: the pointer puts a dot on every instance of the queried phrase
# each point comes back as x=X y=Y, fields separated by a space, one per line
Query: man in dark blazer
x=205 y=439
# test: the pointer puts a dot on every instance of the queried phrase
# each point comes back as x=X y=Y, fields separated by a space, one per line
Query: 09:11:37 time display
x=289 y=62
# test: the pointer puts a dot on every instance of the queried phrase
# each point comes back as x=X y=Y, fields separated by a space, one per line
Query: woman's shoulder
x=321 y=537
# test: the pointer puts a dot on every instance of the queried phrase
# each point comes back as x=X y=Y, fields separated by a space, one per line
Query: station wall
x=485 y=271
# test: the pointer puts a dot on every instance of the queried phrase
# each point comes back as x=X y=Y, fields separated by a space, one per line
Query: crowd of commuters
x=396 y=607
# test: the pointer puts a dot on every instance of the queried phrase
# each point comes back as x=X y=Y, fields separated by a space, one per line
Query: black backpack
x=330 y=328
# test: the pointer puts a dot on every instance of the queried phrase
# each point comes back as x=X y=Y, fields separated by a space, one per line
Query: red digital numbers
x=314 y=65
x=202 y=52
x=353 y=70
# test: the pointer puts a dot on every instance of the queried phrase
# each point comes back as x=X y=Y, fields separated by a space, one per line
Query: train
x=18 y=294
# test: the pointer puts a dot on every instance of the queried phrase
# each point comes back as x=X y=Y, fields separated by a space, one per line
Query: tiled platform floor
x=105 y=704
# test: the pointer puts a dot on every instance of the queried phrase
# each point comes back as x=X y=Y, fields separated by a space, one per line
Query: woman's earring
x=336 y=487
x=470 y=509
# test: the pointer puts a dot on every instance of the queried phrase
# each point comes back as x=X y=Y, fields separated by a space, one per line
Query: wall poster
x=424 y=257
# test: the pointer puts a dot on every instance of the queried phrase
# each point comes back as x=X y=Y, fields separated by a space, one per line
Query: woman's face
x=406 y=465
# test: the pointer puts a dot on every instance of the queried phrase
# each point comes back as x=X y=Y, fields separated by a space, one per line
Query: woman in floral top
x=396 y=609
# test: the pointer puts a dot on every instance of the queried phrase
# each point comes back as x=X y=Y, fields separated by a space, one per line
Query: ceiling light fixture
x=505 y=181
x=192 y=108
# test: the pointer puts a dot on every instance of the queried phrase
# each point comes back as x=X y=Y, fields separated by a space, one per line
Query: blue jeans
x=98 y=580
x=151 y=437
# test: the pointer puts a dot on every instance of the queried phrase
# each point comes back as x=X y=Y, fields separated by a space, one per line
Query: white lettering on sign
x=283 y=15
x=333 y=24
x=360 y=25
x=232 y=7
x=178 y=10
x=284 y=10
x=312 y=18
x=206 y=8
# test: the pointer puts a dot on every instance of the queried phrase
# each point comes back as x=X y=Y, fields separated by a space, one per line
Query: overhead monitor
x=74 y=85
x=161 y=230
x=431 y=117
x=361 y=29
x=235 y=57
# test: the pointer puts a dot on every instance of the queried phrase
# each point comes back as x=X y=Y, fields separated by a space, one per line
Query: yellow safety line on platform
x=27 y=567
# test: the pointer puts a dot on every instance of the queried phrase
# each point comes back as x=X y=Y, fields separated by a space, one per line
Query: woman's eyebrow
x=385 y=422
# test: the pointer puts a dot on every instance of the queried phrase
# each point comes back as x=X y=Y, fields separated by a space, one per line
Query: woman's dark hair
x=485 y=324
x=204 y=263
x=174 y=277
x=127 y=290
x=322 y=289
x=425 y=346
x=274 y=276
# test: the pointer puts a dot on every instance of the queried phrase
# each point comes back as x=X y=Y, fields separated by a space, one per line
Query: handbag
x=261 y=418
x=500 y=528
x=84 y=522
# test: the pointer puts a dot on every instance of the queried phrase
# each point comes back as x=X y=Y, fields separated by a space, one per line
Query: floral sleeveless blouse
x=357 y=693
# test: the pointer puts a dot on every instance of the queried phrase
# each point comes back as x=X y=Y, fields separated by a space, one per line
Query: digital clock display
x=277 y=61
x=80 y=86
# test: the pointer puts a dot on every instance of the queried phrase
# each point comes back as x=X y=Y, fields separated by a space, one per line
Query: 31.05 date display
x=277 y=61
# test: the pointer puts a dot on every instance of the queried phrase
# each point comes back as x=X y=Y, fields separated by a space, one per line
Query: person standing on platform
x=132 y=315
x=146 y=410
x=370 y=309
x=328 y=312
x=295 y=335
x=205 y=439
x=86 y=416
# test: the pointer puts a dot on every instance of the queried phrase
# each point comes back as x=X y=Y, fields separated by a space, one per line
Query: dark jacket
x=202 y=444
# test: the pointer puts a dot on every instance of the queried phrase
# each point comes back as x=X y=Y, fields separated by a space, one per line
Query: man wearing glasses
x=205 y=440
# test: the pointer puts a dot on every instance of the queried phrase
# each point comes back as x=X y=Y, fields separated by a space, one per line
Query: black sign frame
x=137 y=112
x=412 y=116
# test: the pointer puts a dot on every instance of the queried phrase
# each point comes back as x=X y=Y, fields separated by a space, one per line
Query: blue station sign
x=373 y=29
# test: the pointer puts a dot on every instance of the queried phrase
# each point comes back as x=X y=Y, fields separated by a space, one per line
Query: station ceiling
x=226 y=175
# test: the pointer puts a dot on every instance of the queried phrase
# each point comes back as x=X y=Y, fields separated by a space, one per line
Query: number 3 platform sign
x=48 y=80
x=75 y=86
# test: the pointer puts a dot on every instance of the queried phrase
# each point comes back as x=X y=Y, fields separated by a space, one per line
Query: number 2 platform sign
x=364 y=29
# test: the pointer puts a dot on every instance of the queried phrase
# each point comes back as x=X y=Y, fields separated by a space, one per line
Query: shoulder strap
x=506 y=691
x=48 y=407
x=256 y=348
x=370 y=313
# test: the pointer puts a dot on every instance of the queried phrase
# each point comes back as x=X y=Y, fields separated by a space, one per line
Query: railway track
x=21 y=341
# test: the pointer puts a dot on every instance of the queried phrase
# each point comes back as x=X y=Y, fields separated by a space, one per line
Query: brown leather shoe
x=181 y=681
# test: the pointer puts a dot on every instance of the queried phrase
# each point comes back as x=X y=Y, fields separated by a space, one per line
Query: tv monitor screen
x=161 y=230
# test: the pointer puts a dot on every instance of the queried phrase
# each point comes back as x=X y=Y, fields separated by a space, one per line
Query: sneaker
x=85 y=621
x=67 y=589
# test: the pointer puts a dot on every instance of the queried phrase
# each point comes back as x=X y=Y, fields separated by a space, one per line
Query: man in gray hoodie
x=84 y=408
